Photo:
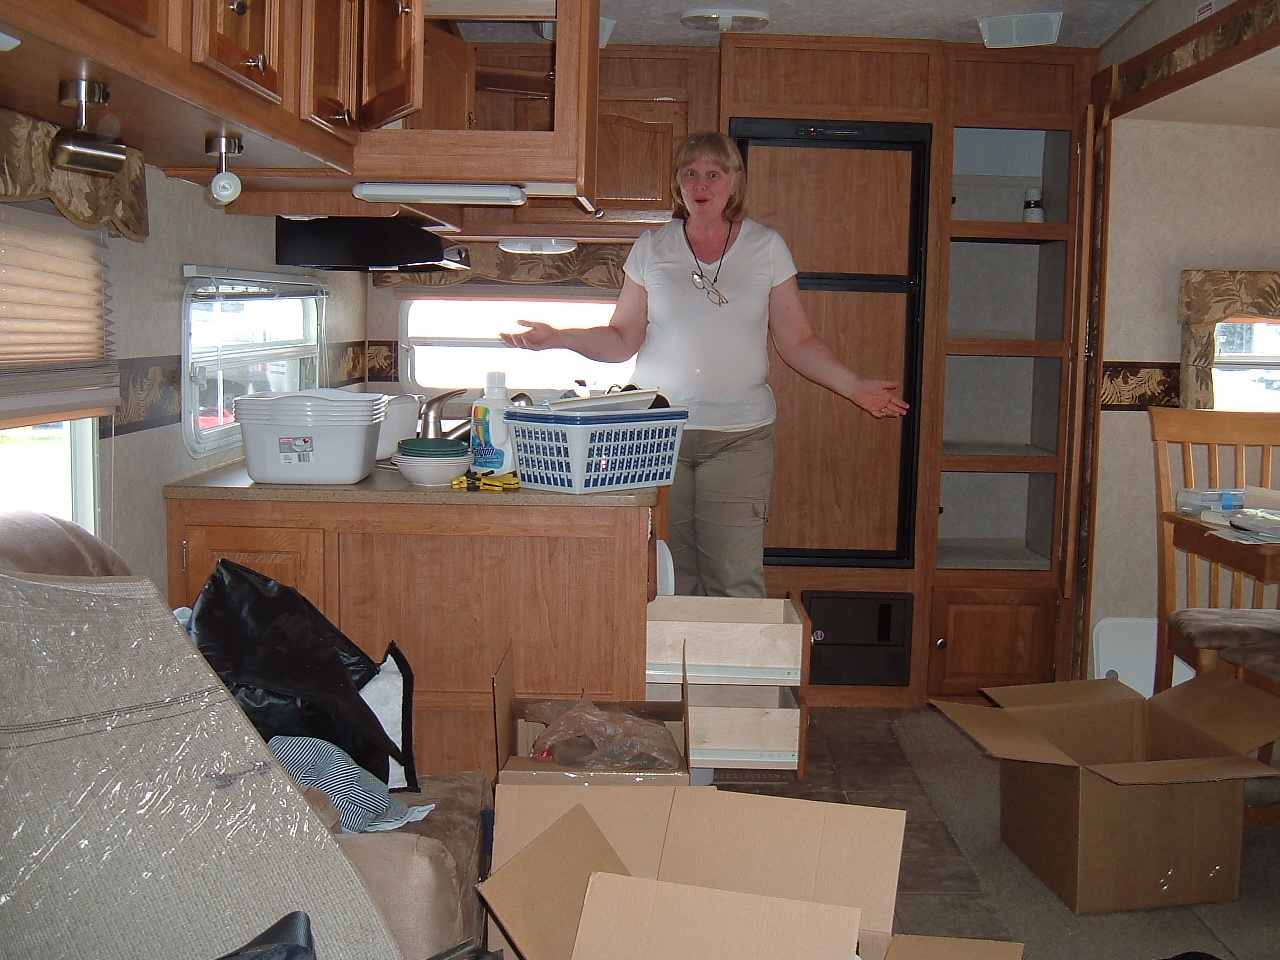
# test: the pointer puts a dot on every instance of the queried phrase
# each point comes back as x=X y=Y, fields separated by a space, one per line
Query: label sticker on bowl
x=296 y=449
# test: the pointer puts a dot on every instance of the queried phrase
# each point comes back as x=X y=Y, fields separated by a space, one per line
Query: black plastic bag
x=292 y=671
x=289 y=938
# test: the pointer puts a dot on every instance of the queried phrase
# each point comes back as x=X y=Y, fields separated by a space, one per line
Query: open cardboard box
x=513 y=736
x=821 y=870
x=1122 y=803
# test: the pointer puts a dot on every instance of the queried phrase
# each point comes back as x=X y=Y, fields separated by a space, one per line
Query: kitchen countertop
x=231 y=482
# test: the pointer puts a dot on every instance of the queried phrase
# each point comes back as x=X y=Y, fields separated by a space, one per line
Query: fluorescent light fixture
x=1020 y=30
x=8 y=42
x=478 y=194
x=536 y=245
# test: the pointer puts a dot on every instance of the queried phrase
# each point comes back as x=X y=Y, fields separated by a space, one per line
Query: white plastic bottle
x=491 y=444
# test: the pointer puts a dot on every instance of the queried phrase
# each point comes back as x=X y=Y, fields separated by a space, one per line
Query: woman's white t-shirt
x=711 y=359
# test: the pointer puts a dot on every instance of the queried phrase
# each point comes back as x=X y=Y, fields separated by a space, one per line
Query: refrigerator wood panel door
x=850 y=200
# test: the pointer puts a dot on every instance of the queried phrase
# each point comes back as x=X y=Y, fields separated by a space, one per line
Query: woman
x=701 y=297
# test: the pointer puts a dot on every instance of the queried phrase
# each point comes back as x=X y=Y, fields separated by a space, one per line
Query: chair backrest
x=39 y=543
x=1210 y=449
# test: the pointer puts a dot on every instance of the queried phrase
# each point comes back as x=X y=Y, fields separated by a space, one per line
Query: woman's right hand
x=538 y=336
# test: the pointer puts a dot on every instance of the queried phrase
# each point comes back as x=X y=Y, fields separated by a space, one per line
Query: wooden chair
x=1219 y=604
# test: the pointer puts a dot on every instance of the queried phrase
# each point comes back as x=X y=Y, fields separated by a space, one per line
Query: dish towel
x=363 y=802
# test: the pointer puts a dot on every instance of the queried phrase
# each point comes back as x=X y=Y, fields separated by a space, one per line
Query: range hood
x=363 y=243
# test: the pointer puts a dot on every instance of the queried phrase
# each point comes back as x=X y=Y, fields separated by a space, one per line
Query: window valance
x=1207 y=298
x=119 y=202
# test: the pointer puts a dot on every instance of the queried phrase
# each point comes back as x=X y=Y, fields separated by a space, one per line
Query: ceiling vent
x=724 y=20
x=1020 y=29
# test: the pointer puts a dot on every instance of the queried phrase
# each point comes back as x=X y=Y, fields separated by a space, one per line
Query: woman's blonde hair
x=717 y=148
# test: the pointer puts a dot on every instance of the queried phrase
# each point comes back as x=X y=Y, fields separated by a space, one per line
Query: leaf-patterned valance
x=1207 y=298
x=596 y=264
x=26 y=174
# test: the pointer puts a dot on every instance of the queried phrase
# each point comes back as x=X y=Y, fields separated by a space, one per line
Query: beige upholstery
x=408 y=892
x=50 y=546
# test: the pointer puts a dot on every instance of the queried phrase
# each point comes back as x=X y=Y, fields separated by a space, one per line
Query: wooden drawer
x=724 y=640
x=747 y=726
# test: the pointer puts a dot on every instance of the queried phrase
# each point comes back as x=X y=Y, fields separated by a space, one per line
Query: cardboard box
x=818 y=864
x=724 y=640
x=1122 y=803
x=513 y=736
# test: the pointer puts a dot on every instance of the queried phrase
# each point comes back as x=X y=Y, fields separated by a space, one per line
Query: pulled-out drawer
x=752 y=727
x=719 y=640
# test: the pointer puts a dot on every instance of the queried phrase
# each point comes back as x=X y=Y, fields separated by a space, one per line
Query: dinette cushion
x=1218 y=629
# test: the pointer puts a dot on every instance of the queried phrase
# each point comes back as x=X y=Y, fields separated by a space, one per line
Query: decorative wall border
x=1137 y=385
x=344 y=363
x=150 y=396
x=1217 y=36
x=382 y=361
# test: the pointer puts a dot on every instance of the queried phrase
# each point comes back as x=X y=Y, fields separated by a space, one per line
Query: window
x=244 y=333
x=453 y=342
x=51 y=468
x=1246 y=365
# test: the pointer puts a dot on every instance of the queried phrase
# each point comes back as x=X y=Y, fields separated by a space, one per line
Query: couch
x=144 y=816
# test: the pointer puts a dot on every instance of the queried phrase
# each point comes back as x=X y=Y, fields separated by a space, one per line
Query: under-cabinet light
x=536 y=245
x=482 y=194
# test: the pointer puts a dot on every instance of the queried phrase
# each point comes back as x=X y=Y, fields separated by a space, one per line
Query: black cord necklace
x=684 y=225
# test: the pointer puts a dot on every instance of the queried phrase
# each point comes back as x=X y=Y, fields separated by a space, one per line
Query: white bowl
x=432 y=473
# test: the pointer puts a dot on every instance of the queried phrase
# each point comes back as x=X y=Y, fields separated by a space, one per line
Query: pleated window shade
x=56 y=361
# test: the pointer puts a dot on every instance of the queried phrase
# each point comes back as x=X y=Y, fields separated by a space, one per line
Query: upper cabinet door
x=391 y=61
x=241 y=40
x=329 y=77
x=142 y=16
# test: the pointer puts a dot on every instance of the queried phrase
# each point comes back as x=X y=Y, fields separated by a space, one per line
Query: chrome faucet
x=432 y=414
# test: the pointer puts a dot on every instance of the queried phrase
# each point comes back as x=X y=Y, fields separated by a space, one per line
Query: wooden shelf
x=993 y=554
x=994 y=344
x=966 y=454
x=1008 y=231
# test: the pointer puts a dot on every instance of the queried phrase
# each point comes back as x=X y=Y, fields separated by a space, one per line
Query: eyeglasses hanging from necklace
x=699 y=278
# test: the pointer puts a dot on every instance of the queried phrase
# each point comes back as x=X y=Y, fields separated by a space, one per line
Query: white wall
x=145 y=284
x=1183 y=196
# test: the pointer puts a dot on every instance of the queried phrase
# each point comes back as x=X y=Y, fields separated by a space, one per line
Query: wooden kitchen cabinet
x=143 y=16
x=244 y=41
x=329 y=79
x=390 y=61
x=292 y=556
x=984 y=637
x=454 y=580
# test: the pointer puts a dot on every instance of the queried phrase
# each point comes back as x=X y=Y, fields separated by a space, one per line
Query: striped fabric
x=359 y=796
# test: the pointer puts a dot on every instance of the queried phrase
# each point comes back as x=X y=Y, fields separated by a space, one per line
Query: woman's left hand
x=876 y=397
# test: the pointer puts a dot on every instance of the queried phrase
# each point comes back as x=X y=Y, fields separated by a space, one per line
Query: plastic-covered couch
x=144 y=816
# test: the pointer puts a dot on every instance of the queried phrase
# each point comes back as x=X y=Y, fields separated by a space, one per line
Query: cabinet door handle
x=941 y=643
x=239 y=7
x=258 y=63
x=403 y=8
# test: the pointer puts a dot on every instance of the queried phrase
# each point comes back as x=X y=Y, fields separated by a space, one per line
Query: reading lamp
x=79 y=150
x=225 y=185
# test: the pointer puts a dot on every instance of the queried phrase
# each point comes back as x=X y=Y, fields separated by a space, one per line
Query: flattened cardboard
x=798 y=849
x=795 y=849
x=512 y=734
x=538 y=895
x=630 y=918
x=948 y=948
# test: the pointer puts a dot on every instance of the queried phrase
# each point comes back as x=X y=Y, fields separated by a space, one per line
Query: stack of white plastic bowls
x=432 y=462
x=310 y=436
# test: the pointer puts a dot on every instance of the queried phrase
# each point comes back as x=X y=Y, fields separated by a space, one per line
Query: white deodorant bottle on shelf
x=491 y=444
